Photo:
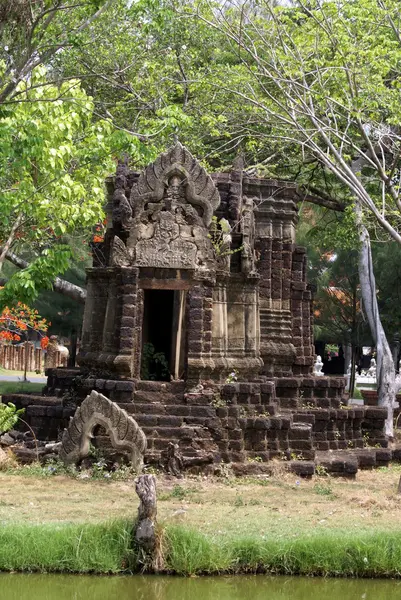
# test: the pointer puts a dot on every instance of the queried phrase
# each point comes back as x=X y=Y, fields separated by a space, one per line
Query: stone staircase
x=236 y=422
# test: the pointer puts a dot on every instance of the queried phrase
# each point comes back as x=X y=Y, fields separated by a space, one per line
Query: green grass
x=91 y=548
x=20 y=387
x=376 y=554
x=108 y=548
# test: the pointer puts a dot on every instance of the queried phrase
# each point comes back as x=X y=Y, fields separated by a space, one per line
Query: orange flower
x=44 y=342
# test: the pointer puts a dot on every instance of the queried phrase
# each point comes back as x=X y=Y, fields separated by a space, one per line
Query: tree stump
x=145 y=535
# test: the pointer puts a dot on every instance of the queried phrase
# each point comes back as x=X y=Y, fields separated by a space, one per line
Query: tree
x=325 y=77
x=53 y=161
x=17 y=322
x=33 y=33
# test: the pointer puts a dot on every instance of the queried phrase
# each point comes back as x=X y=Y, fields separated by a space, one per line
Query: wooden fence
x=13 y=358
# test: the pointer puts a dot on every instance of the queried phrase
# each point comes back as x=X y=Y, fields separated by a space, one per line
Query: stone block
x=170 y=421
x=125 y=386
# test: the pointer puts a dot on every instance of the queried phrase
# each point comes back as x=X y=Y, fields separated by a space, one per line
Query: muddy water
x=76 y=587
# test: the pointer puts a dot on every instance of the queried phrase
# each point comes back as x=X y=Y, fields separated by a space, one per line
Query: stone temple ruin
x=198 y=323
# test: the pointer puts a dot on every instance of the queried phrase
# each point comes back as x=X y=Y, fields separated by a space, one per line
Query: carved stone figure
x=125 y=434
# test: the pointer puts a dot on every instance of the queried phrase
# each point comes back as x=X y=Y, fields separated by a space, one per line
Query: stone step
x=24 y=400
x=173 y=387
x=161 y=397
x=177 y=433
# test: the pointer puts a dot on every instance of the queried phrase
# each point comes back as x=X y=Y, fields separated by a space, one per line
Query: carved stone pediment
x=173 y=202
x=178 y=170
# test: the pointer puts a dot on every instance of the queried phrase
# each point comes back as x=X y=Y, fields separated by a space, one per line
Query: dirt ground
x=283 y=505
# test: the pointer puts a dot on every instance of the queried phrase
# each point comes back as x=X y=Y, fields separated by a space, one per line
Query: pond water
x=259 y=587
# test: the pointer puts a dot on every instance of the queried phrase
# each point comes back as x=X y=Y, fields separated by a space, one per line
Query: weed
x=254 y=459
x=177 y=493
x=324 y=489
x=366 y=439
x=232 y=377
x=239 y=501
x=218 y=401
x=308 y=405
x=321 y=471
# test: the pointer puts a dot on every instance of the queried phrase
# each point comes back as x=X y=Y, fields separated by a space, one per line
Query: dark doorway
x=163 y=335
x=157 y=334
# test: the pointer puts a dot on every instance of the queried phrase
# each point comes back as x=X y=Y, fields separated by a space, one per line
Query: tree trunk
x=145 y=536
x=9 y=241
x=59 y=285
x=385 y=364
x=73 y=349
x=352 y=379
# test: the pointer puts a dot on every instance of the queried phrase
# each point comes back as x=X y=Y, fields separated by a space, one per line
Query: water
x=259 y=587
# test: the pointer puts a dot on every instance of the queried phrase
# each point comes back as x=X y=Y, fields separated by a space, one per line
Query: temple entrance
x=163 y=335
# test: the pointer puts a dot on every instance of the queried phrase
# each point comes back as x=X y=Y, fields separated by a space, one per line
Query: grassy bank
x=52 y=521
x=98 y=548
x=107 y=548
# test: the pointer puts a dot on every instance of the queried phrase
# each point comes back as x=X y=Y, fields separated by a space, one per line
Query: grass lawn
x=276 y=507
x=280 y=525
x=20 y=387
x=30 y=374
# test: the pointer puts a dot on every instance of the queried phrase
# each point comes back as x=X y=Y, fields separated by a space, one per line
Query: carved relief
x=122 y=211
x=120 y=256
x=172 y=205
x=125 y=434
x=200 y=190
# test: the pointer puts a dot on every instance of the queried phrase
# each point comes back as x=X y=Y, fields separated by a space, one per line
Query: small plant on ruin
x=366 y=440
x=232 y=377
x=9 y=415
x=296 y=456
x=350 y=444
x=218 y=401
x=154 y=366
x=321 y=471
x=220 y=236
x=254 y=459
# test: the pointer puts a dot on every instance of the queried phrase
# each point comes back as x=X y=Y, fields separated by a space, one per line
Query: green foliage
x=357 y=394
x=53 y=161
x=9 y=416
x=154 y=366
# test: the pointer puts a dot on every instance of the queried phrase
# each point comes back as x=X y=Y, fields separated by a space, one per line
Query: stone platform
x=295 y=419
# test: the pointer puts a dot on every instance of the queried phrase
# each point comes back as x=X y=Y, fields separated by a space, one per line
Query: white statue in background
x=371 y=372
x=318 y=366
